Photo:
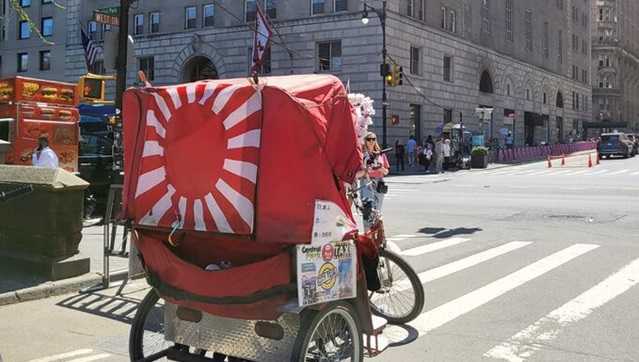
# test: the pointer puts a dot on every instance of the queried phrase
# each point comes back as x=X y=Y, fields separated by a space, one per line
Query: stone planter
x=479 y=161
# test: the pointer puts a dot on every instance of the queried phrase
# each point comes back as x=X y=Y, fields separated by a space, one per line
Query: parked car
x=615 y=144
x=635 y=140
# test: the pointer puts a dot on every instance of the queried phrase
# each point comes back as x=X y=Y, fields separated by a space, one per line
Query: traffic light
x=400 y=76
x=91 y=87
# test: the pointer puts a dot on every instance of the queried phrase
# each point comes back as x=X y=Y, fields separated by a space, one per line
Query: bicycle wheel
x=330 y=335
x=146 y=339
x=401 y=297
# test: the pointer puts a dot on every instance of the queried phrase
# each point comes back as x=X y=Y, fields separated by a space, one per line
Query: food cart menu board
x=19 y=89
x=326 y=269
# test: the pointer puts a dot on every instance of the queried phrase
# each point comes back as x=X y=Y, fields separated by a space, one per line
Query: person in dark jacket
x=400 y=151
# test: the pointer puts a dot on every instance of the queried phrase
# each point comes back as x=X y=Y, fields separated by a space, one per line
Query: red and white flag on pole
x=262 y=39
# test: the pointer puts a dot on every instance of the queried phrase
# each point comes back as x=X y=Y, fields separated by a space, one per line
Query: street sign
x=109 y=16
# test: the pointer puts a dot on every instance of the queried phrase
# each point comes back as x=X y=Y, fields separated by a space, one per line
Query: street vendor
x=43 y=155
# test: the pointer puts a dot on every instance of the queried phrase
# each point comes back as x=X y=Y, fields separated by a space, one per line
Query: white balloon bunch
x=364 y=110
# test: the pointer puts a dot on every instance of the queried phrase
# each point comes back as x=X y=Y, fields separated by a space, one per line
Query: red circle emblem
x=327 y=252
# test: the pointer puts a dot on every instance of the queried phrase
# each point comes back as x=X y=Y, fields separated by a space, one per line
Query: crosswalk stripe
x=429 y=248
x=600 y=172
x=542 y=172
x=618 y=172
x=62 y=356
x=635 y=173
x=447 y=312
x=465 y=263
x=91 y=358
x=580 y=172
x=523 y=344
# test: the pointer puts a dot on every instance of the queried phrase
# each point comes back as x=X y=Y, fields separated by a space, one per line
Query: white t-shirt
x=446 y=149
x=47 y=158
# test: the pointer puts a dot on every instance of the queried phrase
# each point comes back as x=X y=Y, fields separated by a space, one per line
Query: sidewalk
x=420 y=170
x=19 y=286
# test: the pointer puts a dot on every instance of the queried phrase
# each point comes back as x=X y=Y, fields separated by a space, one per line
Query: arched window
x=486 y=82
x=560 y=100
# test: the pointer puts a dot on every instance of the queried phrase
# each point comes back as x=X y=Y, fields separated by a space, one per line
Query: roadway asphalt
x=519 y=263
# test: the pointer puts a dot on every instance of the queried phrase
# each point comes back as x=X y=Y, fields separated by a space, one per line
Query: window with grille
x=154 y=21
x=329 y=55
x=546 y=40
x=448 y=76
x=46 y=26
x=529 y=31
x=509 y=20
x=415 y=61
x=449 y=19
x=45 y=60
x=138 y=24
x=23 y=62
x=318 y=7
x=341 y=5
x=190 y=17
x=24 y=31
x=147 y=65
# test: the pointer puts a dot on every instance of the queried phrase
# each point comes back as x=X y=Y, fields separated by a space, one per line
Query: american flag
x=91 y=49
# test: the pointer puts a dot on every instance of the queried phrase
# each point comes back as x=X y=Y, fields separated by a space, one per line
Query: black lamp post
x=381 y=14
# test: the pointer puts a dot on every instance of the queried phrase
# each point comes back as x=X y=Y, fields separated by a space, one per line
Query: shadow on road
x=442 y=233
x=115 y=308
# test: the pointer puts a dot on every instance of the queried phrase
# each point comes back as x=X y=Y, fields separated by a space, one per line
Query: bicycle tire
x=136 y=335
x=415 y=285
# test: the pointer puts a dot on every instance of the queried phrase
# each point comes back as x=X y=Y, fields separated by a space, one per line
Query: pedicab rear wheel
x=330 y=335
x=146 y=338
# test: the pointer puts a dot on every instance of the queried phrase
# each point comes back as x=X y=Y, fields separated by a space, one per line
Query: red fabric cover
x=307 y=145
x=240 y=280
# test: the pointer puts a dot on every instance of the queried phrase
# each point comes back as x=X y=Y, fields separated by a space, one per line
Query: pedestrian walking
x=428 y=156
x=509 y=140
x=446 y=152
x=429 y=140
x=411 y=147
x=44 y=156
x=400 y=151
x=439 y=155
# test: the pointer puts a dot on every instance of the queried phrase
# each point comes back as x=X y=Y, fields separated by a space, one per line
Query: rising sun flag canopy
x=231 y=157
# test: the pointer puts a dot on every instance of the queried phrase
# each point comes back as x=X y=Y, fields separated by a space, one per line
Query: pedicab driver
x=44 y=156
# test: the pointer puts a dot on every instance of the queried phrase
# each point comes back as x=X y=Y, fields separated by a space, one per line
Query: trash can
x=41 y=230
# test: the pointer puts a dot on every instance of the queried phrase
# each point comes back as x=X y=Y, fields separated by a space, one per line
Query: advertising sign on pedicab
x=326 y=269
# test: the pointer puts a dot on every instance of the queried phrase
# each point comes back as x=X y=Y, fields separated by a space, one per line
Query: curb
x=50 y=289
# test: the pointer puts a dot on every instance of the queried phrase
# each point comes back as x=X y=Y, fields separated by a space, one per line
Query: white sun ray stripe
x=163 y=107
x=190 y=92
x=223 y=97
x=243 y=169
x=198 y=215
x=217 y=214
x=149 y=180
x=523 y=344
x=243 y=205
x=182 y=209
x=152 y=120
x=429 y=248
x=61 y=356
x=248 y=139
x=175 y=97
x=252 y=105
x=447 y=312
x=465 y=263
x=208 y=92
x=152 y=148
x=160 y=208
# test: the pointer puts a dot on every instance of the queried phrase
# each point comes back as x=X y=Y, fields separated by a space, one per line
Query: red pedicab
x=236 y=195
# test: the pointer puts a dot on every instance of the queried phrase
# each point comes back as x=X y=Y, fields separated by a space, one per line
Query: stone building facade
x=615 y=63
x=528 y=61
x=22 y=51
